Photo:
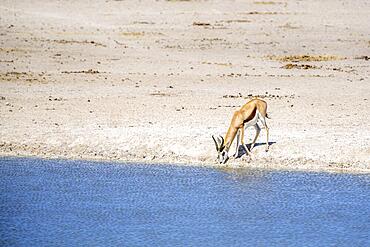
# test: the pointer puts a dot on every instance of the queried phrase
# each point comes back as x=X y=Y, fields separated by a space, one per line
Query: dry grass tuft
x=262 y=13
x=299 y=66
x=159 y=94
x=267 y=2
x=23 y=76
x=133 y=34
x=289 y=26
x=219 y=64
x=306 y=58
x=89 y=71
x=63 y=41
x=235 y=21
x=201 y=24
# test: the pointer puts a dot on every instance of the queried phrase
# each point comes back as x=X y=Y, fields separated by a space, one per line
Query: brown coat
x=245 y=114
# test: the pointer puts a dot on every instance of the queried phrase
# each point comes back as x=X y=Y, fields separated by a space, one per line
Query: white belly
x=253 y=121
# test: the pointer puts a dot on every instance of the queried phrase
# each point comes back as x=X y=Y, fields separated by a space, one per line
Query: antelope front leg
x=243 y=144
x=236 y=155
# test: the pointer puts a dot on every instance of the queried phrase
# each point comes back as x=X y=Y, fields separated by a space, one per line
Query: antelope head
x=222 y=153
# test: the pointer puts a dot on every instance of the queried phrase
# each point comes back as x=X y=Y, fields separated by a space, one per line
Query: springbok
x=249 y=114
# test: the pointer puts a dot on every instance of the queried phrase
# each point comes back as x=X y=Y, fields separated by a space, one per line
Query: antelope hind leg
x=258 y=130
x=267 y=139
x=263 y=120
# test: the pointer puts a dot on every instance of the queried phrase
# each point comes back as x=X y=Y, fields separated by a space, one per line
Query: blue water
x=78 y=203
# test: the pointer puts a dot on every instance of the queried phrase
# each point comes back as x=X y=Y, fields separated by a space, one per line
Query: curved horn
x=222 y=141
x=216 y=143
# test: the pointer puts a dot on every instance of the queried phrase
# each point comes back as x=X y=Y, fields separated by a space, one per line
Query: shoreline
x=266 y=166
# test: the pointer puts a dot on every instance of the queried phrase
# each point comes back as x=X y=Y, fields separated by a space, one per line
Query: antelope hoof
x=267 y=149
x=248 y=158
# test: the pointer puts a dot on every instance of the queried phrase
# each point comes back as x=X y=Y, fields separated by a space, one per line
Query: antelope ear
x=216 y=142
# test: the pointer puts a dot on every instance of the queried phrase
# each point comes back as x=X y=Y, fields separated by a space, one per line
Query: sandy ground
x=151 y=81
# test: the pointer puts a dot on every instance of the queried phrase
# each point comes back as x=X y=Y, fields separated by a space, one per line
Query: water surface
x=80 y=203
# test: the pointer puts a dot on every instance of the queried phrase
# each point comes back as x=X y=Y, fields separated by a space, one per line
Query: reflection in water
x=246 y=175
x=45 y=203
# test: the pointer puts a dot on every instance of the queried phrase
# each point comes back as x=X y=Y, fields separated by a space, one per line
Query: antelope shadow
x=241 y=150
